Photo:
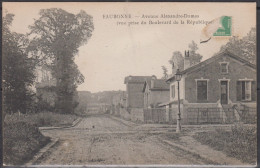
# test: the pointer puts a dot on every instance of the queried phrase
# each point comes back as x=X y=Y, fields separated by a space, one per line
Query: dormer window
x=224 y=67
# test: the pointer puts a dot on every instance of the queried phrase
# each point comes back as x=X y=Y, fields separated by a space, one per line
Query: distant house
x=155 y=92
x=134 y=90
x=45 y=89
x=221 y=81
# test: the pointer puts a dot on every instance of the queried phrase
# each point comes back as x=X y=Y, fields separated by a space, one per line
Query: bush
x=42 y=119
x=21 y=141
x=240 y=142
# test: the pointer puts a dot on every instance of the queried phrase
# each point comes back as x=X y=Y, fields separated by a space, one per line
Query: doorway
x=224 y=92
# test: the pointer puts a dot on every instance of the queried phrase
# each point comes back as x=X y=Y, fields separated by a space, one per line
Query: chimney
x=186 y=59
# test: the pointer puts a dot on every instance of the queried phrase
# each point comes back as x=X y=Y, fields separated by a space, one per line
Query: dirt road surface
x=105 y=140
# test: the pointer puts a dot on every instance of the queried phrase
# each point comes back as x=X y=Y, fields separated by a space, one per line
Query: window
x=224 y=67
x=246 y=90
x=173 y=91
x=202 y=90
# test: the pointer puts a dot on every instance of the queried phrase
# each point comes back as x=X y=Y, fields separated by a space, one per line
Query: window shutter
x=239 y=90
x=253 y=90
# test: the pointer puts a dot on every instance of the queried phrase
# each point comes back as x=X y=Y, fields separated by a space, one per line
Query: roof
x=156 y=84
x=160 y=84
x=210 y=60
x=137 y=79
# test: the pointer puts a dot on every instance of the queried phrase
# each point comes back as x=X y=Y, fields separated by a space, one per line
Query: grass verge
x=20 y=142
x=240 y=142
x=45 y=119
x=22 y=138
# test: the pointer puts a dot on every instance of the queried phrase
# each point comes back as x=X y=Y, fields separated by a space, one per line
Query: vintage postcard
x=124 y=83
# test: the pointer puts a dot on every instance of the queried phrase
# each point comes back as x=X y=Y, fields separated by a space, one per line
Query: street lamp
x=178 y=78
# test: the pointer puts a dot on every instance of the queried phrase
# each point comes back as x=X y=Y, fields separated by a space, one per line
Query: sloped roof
x=160 y=84
x=156 y=84
x=213 y=58
x=137 y=79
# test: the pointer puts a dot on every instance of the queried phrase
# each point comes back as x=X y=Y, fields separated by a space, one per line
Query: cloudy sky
x=114 y=52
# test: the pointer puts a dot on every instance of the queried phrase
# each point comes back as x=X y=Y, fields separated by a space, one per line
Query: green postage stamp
x=226 y=29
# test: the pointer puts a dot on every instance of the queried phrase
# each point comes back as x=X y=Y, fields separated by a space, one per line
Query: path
x=104 y=140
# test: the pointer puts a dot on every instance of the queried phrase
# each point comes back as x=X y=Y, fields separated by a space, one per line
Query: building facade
x=222 y=81
x=156 y=91
x=134 y=90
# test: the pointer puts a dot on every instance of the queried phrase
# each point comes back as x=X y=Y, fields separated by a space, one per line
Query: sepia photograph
x=129 y=84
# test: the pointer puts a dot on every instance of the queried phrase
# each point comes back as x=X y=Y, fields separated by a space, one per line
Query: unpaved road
x=103 y=140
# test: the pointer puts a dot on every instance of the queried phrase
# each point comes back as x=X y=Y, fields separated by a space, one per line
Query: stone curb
x=183 y=148
x=202 y=156
x=53 y=141
x=75 y=122
x=42 y=151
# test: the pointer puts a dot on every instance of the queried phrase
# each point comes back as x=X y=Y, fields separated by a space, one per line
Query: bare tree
x=165 y=72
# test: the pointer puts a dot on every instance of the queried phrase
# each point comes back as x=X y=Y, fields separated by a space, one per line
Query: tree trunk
x=64 y=84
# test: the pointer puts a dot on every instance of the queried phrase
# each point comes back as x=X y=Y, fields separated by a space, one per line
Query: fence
x=208 y=115
x=155 y=115
x=214 y=115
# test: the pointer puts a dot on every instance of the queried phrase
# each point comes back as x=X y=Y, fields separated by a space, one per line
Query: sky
x=116 y=51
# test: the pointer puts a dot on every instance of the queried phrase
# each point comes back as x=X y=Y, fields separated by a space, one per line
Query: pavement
x=106 y=140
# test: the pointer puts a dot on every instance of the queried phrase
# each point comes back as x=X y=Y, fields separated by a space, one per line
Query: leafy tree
x=245 y=47
x=177 y=60
x=165 y=72
x=57 y=35
x=194 y=56
x=18 y=70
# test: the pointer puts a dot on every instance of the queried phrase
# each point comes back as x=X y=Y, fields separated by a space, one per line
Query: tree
x=57 y=35
x=18 y=70
x=165 y=72
x=177 y=60
x=245 y=47
x=194 y=57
